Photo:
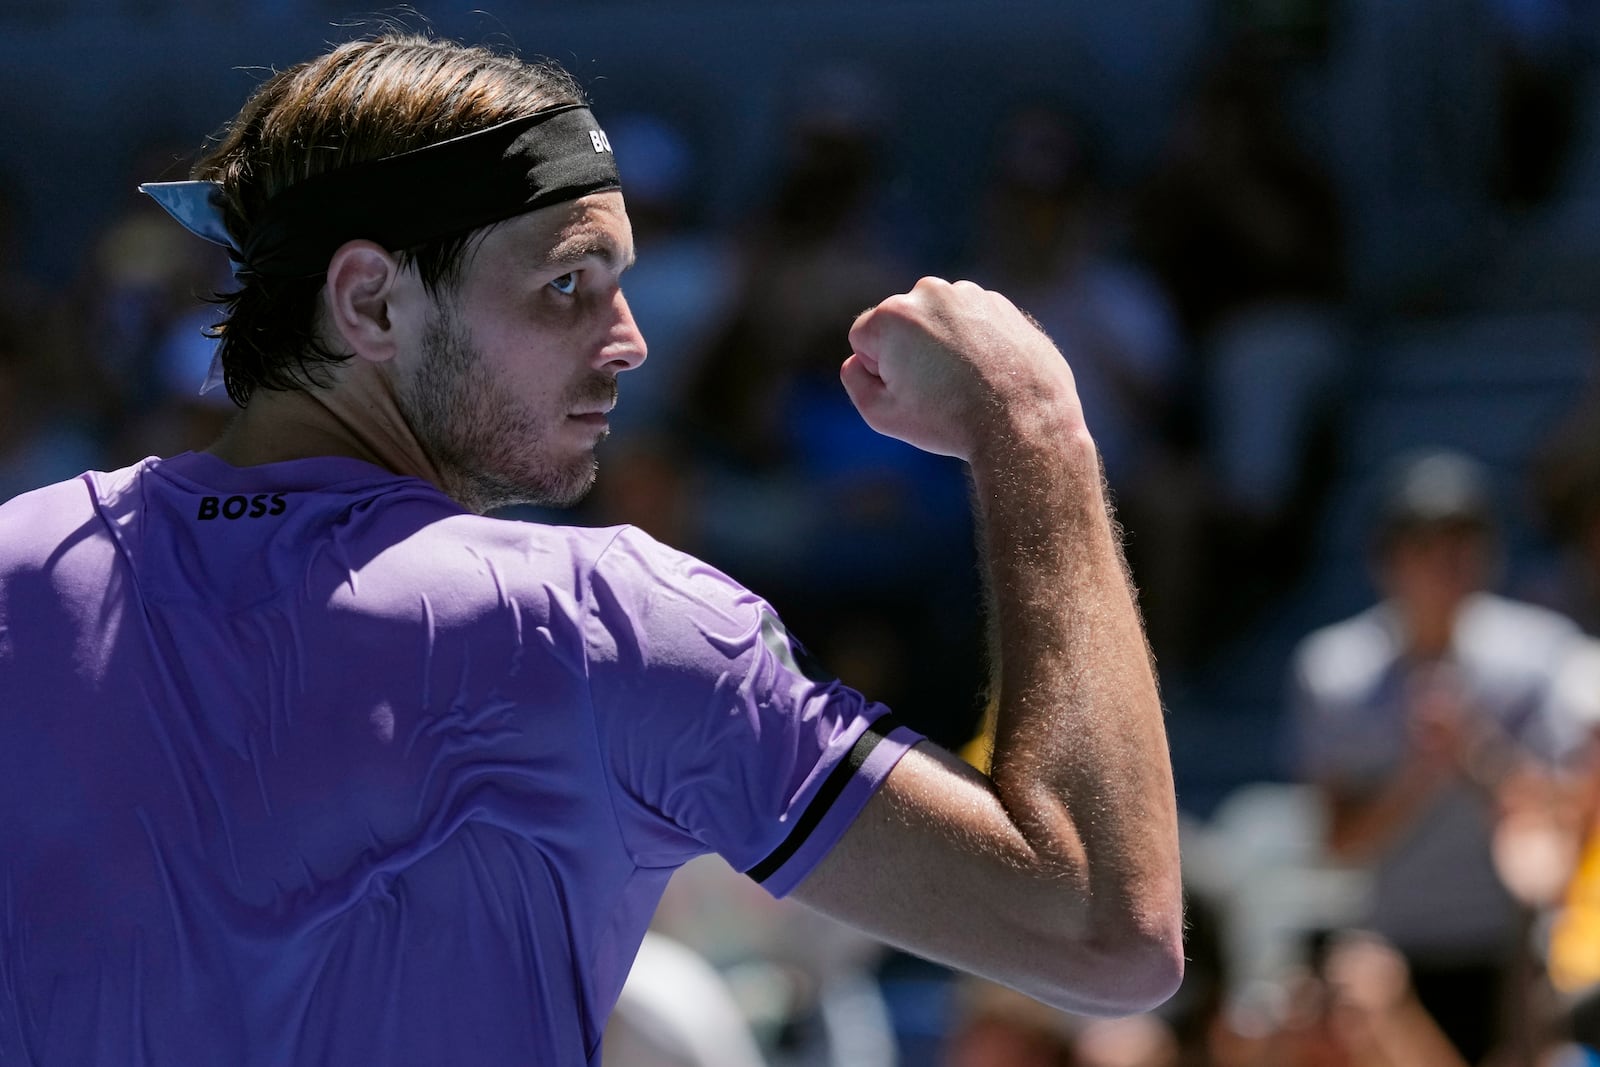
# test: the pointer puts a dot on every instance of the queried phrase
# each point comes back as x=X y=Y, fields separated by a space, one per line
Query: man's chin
x=571 y=495
x=545 y=489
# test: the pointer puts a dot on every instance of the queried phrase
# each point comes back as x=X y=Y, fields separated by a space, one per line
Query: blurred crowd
x=1418 y=884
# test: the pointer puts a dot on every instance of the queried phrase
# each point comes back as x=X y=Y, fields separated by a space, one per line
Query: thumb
x=865 y=389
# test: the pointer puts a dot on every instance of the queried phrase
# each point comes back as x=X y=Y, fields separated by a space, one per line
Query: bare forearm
x=1058 y=875
x=1080 y=759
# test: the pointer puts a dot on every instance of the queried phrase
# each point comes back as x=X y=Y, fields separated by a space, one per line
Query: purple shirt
x=303 y=764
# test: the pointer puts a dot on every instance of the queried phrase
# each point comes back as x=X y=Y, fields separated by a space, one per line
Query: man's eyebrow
x=579 y=247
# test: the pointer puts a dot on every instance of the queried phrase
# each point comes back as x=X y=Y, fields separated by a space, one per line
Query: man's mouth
x=598 y=402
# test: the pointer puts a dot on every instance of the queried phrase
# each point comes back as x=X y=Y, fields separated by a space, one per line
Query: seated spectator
x=676 y=1011
x=1047 y=235
x=1043 y=238
x=45 y=392
x=1000 y=1028
x=36 y=446
x=842 y=526
x=1242 y=225
x=1566 y=484
x=680 y=287
x=1414 y=715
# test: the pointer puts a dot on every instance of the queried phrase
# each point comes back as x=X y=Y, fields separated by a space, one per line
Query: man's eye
x=567 y=284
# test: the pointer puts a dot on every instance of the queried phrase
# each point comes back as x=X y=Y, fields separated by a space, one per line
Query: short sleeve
x=719 y=731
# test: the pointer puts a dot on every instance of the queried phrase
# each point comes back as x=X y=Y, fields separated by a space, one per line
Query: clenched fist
x=948 y=367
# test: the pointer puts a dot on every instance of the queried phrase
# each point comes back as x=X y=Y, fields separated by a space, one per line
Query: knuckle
x=861 y=329
x=896 y=308
x=929 y=285
x=867 y=324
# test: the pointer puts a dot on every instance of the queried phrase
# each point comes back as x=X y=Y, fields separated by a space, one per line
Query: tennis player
x=304 y=760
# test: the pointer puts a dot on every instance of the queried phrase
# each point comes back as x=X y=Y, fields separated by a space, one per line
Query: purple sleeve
x=720 y=732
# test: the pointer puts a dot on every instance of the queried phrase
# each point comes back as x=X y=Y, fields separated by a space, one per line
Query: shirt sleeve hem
x=848 y=788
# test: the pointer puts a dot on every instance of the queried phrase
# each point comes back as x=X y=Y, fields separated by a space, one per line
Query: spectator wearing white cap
x=1413 y=714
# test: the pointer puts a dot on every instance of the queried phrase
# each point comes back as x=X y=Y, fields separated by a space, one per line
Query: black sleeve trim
x=837 y=779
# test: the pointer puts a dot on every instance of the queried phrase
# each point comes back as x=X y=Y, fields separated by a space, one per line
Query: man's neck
x=278 y=426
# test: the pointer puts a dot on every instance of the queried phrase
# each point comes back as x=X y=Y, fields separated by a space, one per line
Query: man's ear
x=357 y=295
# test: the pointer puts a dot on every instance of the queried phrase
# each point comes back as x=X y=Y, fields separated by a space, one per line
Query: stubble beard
x=489 y=450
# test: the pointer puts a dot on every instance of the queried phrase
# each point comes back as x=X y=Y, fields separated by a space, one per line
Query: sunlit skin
x=495 y=390
x=501 y=388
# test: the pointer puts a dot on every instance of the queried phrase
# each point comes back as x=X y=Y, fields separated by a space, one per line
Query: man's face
x=508 y=386
x=1434 y=567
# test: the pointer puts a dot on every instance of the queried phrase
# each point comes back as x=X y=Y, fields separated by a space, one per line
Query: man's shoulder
x=435 y=546
x=629 y=582
x=35 y=524
x=545 y=544
x=639 y=566
x=510 y=557
x=43 y=498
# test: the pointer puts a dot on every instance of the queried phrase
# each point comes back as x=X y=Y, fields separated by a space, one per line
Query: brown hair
x=364 y=100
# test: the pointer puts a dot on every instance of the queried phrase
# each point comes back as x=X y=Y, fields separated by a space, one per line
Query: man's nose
x=624 y=347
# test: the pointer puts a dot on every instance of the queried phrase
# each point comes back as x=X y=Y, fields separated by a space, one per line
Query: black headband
x=441 y=190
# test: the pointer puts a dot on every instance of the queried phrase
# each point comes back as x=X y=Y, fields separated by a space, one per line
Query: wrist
x=1061 y=444
x=1036 y=461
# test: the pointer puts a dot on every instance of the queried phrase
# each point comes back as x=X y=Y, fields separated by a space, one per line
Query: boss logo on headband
x=599 y=140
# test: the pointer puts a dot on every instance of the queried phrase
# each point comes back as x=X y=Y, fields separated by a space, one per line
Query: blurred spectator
x=1244 y=228
x=176 y=416
x=1352 y=1005
x=997 y=1027
x=1566 y=483
x=37 y=445
x=36 y=322
x=680 y=288
x=676 y=1011
x=145 y=277
x=802 y=981
x=679 y=291
x=46 y=433
x=1376 y=1014
x=1416 y=718
x=812 y=262
x=1044 y=240
x=1537 y=98
x=1135 y=1041
x=31 y=327
x=864 y=542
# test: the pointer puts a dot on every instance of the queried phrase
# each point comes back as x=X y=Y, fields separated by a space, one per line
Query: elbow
x=1151 y=969
x=1128 y=972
